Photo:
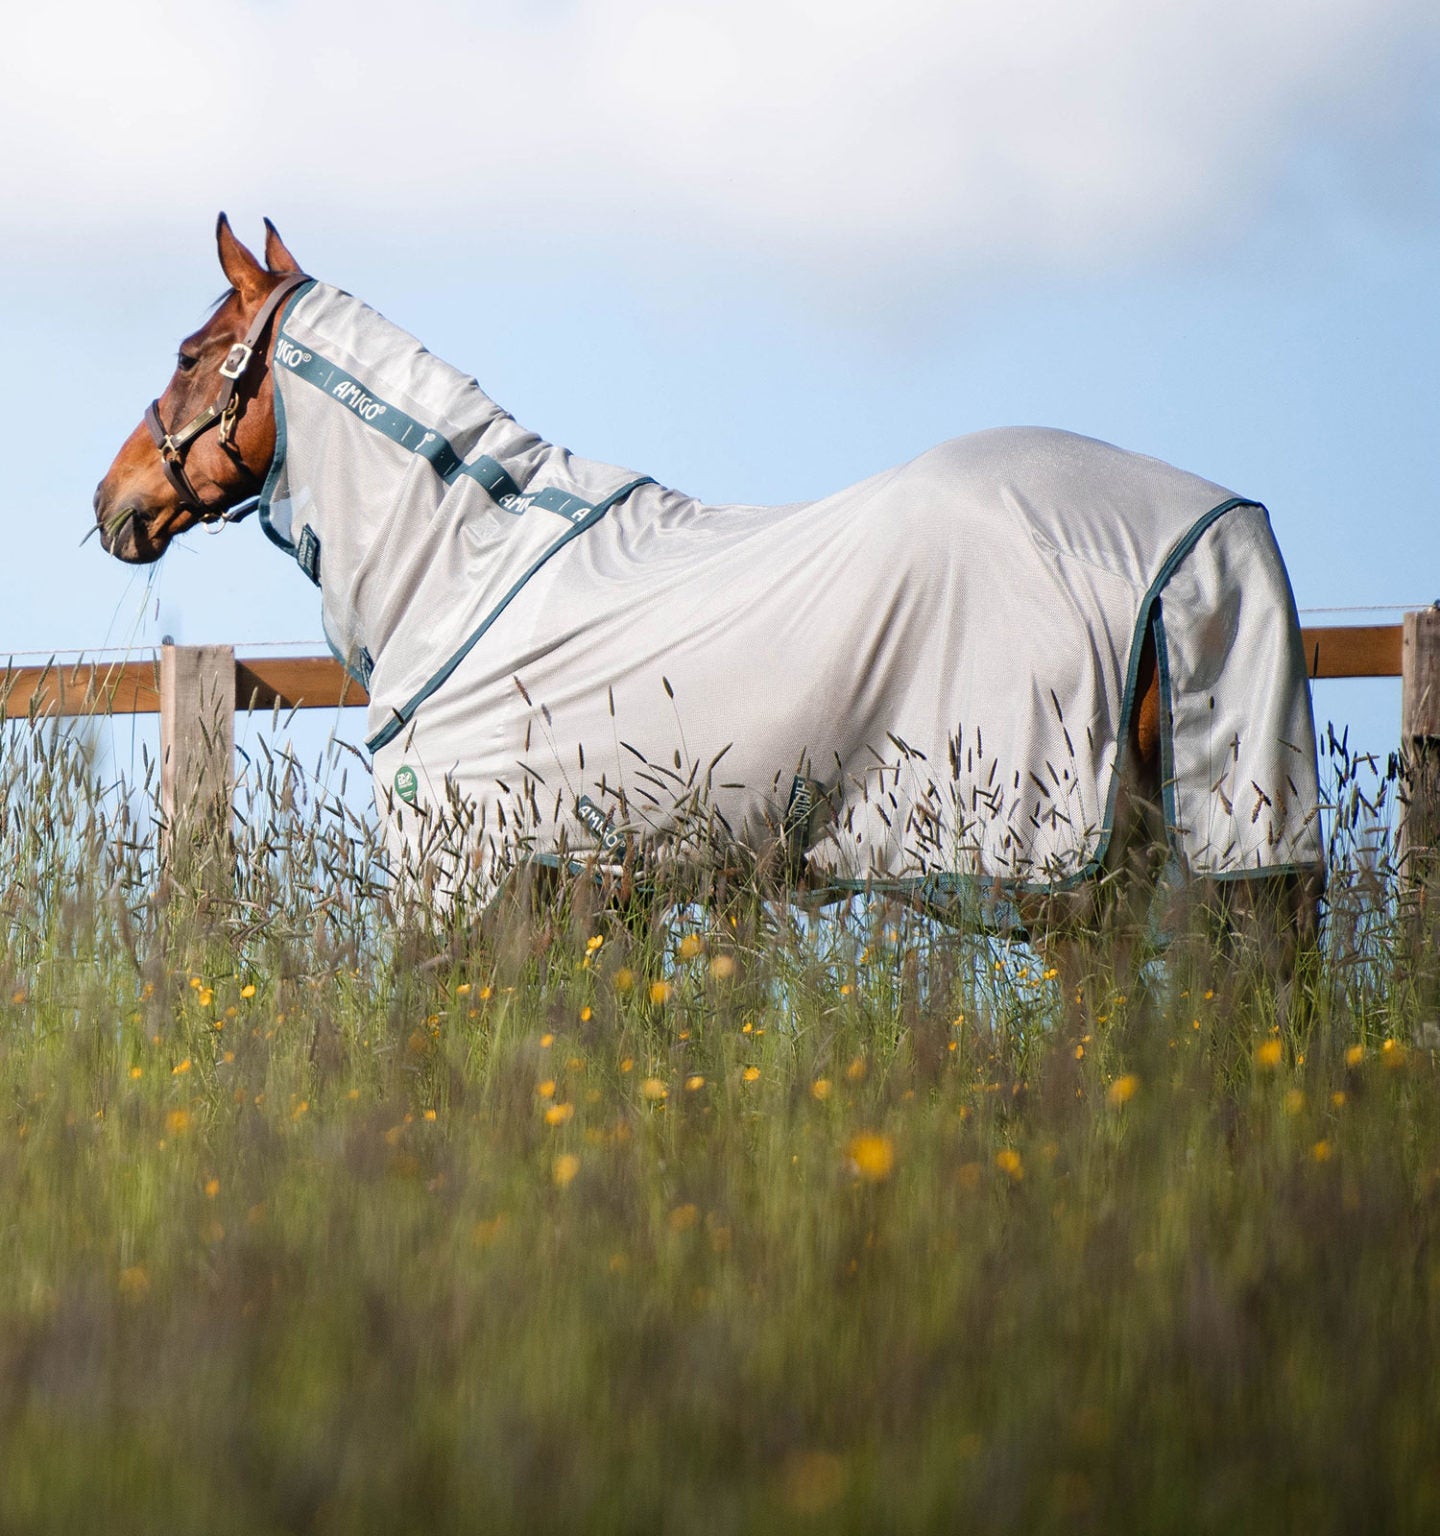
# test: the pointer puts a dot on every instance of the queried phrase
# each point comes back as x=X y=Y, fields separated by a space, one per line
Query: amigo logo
x=610 y=838
x=289 y=354
x=350 y=394
x=797 y=830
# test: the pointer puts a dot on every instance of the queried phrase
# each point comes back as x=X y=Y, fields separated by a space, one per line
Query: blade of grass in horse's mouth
x=113 y=527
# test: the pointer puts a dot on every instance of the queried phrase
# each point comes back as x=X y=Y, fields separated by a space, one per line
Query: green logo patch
x=406 y=783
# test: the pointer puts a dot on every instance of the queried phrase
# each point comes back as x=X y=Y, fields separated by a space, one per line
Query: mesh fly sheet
x=924 y=677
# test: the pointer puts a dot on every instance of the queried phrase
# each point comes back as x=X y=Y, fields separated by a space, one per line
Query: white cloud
x=840 y=134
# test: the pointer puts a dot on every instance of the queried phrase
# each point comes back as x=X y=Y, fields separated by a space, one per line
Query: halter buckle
x=237 y=360
x=227 y=421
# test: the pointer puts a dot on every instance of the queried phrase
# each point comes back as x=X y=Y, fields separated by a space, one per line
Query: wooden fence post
x=197 y=752
x=1420 y=744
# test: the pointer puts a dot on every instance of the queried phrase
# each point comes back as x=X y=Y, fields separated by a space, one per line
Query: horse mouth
x=131 y=536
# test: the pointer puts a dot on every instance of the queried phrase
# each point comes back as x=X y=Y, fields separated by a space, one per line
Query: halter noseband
x=223 y=409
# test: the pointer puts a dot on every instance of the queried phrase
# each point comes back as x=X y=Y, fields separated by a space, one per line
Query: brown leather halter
x=223 y=409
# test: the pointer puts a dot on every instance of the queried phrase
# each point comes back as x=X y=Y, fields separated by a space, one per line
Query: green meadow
x=321 y=1213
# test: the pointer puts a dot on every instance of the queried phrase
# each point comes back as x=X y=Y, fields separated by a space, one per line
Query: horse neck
x=355 y=464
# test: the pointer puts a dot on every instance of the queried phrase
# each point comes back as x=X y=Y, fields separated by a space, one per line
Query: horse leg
x=1250 y=933
x=1256 y=935
x=1092 y=936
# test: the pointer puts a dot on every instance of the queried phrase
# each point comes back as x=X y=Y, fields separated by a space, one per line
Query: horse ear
x=238 y=264
x=277 y=257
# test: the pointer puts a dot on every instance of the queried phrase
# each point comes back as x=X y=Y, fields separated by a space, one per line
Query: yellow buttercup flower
x=1122 y=1090
x=654 y=1090
x=820 y=1089
x=873 y=1155
x=690 y=946
x=565 y=1167
x=1009 y=1162
x=1355 y=1055
x=751 y=1074
x=694 y=1083
x=248 y=990
x=1267 y=1055
x=559 y=1114
x=659 y=992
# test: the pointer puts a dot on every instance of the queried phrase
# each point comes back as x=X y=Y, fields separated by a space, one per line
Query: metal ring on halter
x=225 y=409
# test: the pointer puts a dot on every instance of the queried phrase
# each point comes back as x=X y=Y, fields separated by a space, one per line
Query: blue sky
x=755 y=250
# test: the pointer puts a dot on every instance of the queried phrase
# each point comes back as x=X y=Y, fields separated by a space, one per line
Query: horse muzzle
x=131 y=532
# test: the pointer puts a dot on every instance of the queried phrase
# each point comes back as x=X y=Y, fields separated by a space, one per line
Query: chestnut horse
x=202 y=454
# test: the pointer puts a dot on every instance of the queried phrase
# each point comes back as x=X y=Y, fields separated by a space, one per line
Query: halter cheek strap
x=223 y=409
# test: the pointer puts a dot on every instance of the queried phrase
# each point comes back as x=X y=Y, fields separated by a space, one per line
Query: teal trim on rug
x=405 y=431
x=389 y=420
x=350 y=672
x=401 y=717
x=1169 y=808
x=277 y=459
x=1129 y=702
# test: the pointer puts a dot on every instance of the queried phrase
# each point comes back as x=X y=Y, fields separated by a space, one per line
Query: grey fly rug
x=924 y=680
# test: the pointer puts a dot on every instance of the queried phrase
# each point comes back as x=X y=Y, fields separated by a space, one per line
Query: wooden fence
x=196 y=691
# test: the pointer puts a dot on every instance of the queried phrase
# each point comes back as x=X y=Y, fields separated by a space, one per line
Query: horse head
x=173 y=471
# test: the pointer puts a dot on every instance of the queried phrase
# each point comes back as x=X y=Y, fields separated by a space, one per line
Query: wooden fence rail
x=319 y=682
x=191 y=686
x=133 y=687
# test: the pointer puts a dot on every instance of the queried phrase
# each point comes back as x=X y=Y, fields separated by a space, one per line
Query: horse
x=1026 y=669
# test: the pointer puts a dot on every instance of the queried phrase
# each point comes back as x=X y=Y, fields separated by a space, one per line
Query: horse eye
x=186 y=362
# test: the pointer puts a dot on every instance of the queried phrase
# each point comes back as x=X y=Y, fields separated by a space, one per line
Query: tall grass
x=318 y=1213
